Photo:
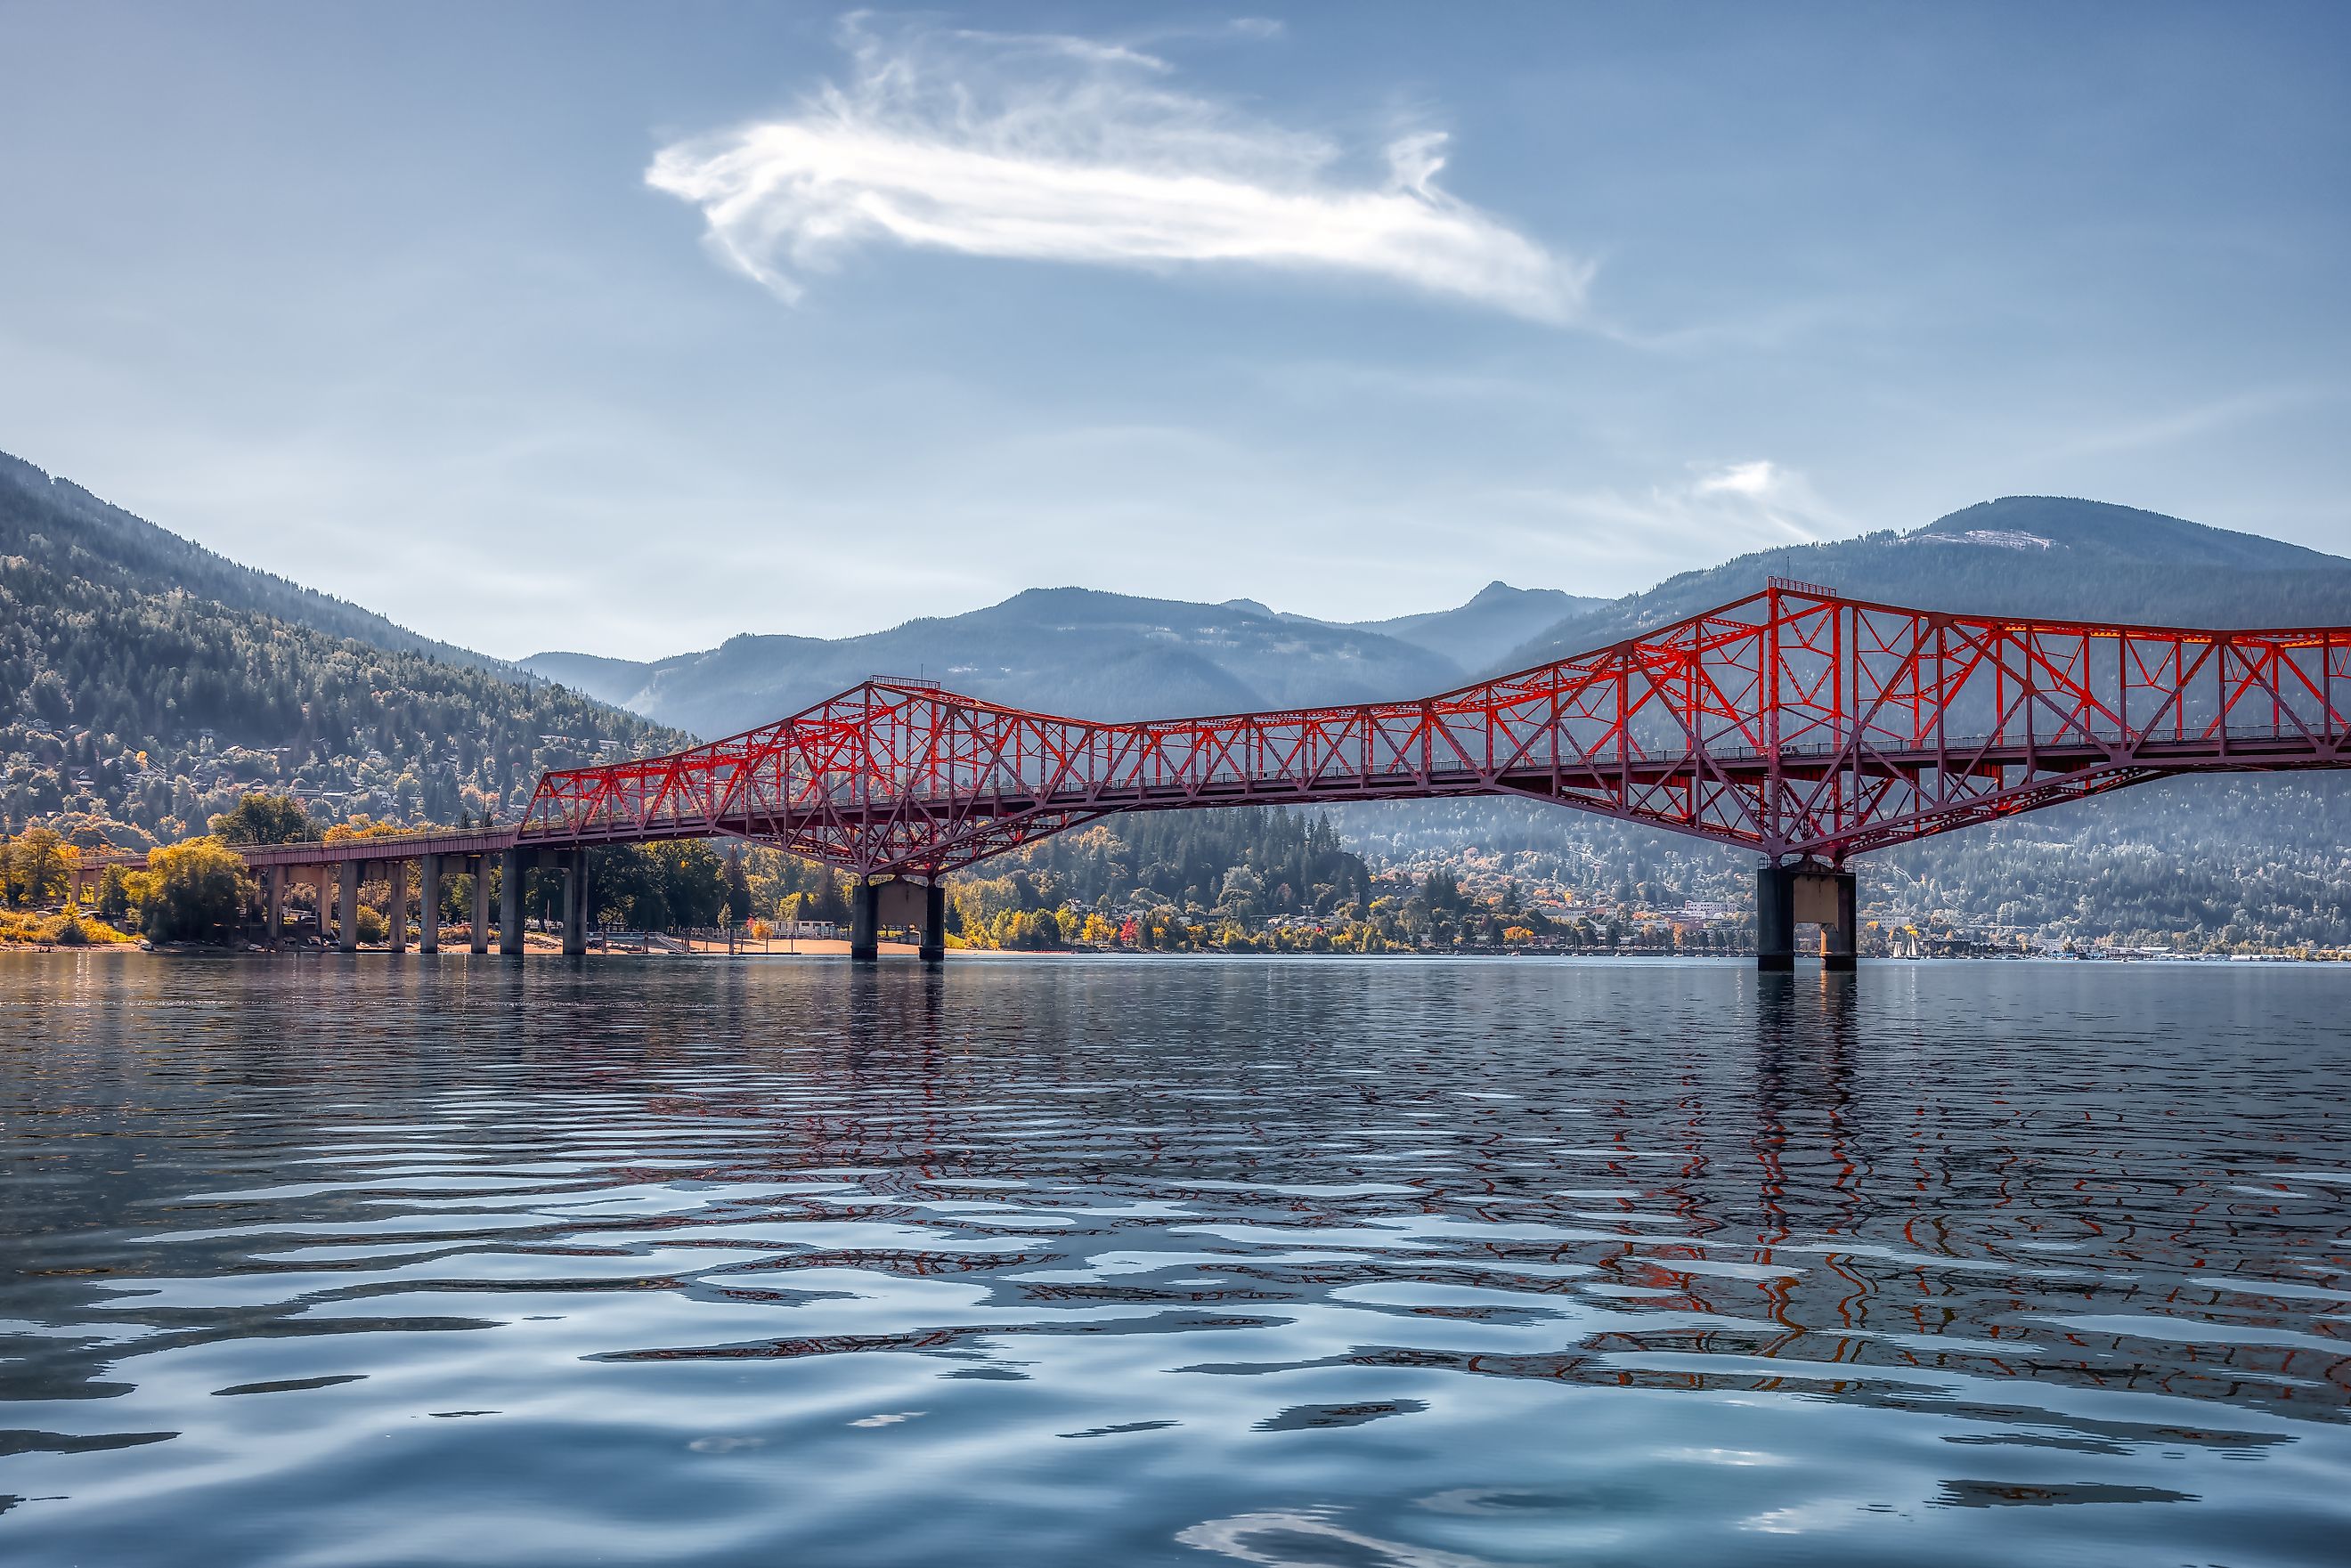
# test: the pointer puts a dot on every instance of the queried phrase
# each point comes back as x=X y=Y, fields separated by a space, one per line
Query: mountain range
x=146 y=682
x=1082 y=651
x=1105 y=655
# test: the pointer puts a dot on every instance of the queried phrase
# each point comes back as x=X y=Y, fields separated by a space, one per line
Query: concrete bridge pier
x=1787 y=895
x=1775 y=918
x=864 y=911
x=346 y=905
x=934 y=948
x=480 y=938
x=575 y=902
x=396 y=906
x=273 y=904
x=1841 y=941
x=428 y=904
x=510 y=904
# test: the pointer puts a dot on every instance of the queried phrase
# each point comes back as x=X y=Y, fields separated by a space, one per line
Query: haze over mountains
x=1105 y=655
x=1078 y=651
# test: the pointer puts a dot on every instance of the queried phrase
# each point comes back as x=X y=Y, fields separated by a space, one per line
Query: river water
x=1183 y=1262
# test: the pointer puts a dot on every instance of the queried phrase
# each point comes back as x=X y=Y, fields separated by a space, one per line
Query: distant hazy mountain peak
x=1500 y=592
x=1495 y=618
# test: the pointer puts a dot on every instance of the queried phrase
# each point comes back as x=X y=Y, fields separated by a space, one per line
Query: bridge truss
x=1795 y=722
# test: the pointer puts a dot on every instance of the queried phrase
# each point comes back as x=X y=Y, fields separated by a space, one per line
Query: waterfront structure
x=1795 y=722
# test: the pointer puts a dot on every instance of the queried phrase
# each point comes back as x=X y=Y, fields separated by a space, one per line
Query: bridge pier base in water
x=934 y=948
x=864 y=907
x=510 y=875
x=1786 y=895
x=396 y=906
x=1840 y=943
x=575 y=904
x=428 y=904
x=479 y=933
x=272 y=908
x=346 y=905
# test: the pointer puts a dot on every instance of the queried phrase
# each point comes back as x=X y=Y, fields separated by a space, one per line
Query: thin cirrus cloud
x=1769 y=494
x=1068 y=149
x=1753 y=504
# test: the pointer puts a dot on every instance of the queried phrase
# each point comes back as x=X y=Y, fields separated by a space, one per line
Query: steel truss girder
x=1795 y=722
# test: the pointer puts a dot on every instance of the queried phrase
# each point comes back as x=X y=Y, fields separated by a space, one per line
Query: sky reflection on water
x=1314 y=1261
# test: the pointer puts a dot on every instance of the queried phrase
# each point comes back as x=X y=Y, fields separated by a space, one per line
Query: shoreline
x=905 y=950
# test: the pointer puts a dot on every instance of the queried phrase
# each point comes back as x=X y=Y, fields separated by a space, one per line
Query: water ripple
x=1273 y=1263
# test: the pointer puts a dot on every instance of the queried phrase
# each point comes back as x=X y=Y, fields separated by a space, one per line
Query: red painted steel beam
x=1794 y=722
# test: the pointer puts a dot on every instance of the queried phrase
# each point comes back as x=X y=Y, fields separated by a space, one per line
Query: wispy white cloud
x=1752 y=480
x=1767 y=495
x=1071 y=150
x=1712 y=512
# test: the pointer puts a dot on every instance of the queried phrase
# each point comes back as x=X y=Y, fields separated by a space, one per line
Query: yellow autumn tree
x=191 y=892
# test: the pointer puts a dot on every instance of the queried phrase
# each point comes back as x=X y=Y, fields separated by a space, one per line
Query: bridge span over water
x=1796 y=723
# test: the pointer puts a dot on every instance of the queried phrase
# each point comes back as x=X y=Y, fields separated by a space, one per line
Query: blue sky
x=625 y=328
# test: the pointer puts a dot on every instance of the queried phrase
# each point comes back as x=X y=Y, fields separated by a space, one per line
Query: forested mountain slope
x=134 y=704
x=72 y=532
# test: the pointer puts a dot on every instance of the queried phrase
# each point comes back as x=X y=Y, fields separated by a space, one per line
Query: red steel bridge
x=1796 y=723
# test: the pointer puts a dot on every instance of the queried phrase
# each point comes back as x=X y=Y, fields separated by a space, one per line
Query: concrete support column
x=428 y=904
x=347 y=905
x=480 y=942
x=510 y=904
x=274 y=903
x=934 y=948
x=575 y=902
x=863 y=899
x=1815 y=896
x=1775 y=918
x=1841 y=941
x=396 y=906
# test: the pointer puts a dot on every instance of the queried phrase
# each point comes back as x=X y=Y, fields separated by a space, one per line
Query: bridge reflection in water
x=1199 y=1252
x=1268 y=1257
